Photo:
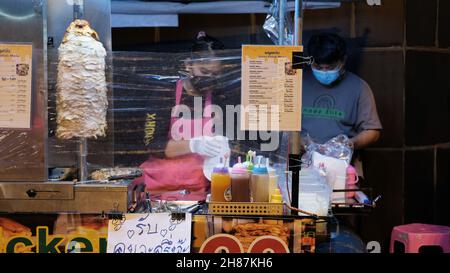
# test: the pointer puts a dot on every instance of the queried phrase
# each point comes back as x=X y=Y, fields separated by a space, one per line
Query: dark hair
x=204 y=42
x=327 y=48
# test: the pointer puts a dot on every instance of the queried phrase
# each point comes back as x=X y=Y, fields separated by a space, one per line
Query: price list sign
x=15 y=85
x=271 y=88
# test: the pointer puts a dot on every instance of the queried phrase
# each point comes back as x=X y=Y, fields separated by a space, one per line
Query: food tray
x=245 y=208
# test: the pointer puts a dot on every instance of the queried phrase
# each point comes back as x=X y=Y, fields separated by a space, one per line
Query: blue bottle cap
x=260 y=169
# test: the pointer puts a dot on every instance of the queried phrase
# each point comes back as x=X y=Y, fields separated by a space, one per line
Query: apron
x=179 y=178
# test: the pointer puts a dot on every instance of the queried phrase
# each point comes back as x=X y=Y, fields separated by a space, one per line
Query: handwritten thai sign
x=150 y=233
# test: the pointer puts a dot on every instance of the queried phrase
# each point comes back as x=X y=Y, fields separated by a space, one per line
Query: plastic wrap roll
x=81 y=100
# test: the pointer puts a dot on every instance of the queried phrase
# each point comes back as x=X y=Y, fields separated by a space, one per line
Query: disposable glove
x=207 y=146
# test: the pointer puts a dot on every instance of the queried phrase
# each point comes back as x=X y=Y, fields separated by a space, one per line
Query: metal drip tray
x=63 y=197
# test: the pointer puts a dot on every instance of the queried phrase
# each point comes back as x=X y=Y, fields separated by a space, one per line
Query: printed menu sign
x=15 y=85
x=150 y=233
x=271 y=88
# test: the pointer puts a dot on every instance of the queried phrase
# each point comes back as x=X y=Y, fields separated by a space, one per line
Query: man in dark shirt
x=336 y=101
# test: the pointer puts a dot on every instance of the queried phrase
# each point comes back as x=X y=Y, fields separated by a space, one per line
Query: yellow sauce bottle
x=220 y=185
x=276 y=196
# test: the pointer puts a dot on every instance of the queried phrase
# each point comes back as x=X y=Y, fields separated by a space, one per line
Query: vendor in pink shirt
x=179 y=146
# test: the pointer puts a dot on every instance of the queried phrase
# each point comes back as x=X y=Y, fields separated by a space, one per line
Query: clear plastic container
x=314 y=199
x=314 y=193
x=273 y=177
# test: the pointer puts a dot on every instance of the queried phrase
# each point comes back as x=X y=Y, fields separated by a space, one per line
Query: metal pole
x=298 y=20
x=281 y=27
x=82 y=159
x=78 y=9
x=78 y=13
x=294 y=137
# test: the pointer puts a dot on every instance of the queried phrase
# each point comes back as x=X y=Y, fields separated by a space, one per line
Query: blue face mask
x=326 y=77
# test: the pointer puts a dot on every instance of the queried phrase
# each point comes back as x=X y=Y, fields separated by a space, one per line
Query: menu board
x=15 y=85
x=271 y=88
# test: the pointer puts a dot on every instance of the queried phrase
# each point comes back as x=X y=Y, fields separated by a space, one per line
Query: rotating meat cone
x=81 y=99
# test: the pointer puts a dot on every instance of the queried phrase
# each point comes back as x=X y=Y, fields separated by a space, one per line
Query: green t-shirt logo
x=318 y=112
x=324 y=107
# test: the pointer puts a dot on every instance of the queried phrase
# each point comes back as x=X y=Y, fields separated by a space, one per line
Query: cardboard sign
x=271 y=88
x=150 y=233
x=15 y=85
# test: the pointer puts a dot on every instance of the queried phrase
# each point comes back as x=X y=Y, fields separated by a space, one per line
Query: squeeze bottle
x=351 y=180
x=220 y=184
x=273 y=177
x=249 y=160
x=240 y=183
x=276 y=197
x=259 y=183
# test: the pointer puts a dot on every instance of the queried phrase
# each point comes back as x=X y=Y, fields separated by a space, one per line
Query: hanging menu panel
x=15 y=85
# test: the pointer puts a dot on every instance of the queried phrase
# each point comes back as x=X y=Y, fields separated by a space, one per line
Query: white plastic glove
x=208 y=146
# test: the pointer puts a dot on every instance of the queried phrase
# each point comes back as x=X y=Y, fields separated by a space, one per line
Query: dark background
x=402 y=49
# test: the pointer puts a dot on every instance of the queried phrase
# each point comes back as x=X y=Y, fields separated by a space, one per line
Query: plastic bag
x=338 y=147
x=271 y=25
x=334 y=156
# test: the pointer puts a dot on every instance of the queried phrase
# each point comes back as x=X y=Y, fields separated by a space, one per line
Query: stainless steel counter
x=63 y=197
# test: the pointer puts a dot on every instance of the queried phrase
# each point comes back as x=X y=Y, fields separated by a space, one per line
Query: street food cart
x=70 y=191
